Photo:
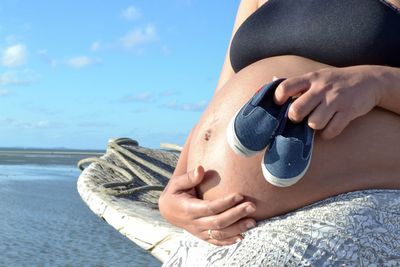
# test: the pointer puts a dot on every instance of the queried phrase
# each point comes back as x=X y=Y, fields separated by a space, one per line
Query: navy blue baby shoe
x=254 y=126
x=289 y=154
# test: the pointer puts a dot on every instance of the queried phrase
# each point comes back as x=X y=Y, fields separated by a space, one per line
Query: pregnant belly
x=363 y=156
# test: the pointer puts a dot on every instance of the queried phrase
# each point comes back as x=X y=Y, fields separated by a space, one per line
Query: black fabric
x=335 y=32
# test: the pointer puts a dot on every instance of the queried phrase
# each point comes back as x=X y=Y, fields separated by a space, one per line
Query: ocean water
x=44 y=222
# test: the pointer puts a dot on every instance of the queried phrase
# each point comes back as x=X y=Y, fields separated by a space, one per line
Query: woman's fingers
x=232 y=231
x=216 y=206
x=303 y=105
x=228 y=217
x=291 y=87
x=224 y=216
x=331 y=97
x=336 y=125
x=228 y=225
x=181 y=206
x=320 y=116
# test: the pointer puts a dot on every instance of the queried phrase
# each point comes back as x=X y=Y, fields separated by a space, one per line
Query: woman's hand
x=226 y=217
x=332 y=97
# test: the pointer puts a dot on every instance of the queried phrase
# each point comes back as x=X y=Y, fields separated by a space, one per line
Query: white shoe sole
x=284 y=182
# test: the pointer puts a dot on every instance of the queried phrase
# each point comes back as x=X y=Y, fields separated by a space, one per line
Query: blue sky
x=76 y=73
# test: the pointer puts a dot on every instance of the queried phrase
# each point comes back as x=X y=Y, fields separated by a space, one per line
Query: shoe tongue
x=285 y=144
x=291 y=139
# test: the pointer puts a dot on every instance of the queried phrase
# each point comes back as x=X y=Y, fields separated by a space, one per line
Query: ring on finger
x=210 y=234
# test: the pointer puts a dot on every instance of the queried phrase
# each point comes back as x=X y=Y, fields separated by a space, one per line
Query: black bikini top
x=335 y=32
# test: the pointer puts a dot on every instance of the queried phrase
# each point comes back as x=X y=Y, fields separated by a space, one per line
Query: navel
x=207 y=135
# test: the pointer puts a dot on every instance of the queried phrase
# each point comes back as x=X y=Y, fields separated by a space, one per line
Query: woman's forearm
x=390 y=91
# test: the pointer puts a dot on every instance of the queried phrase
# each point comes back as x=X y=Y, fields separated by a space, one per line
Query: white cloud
x=131 y=13
x=139 y=110
x=38 y=125
x=40 y=110
x=194 y=106
x=199 y=106
x=139 y=36
x=28 y=125
x=81 y=62
x=8 y=78
x=172 y=105
x=95 y=46
x=11 y=39
x=46 y=58
x=169 y=93
x=4 y=92
x=142 y=97
x=17 y=78
x=14 y=56
x=94 y=124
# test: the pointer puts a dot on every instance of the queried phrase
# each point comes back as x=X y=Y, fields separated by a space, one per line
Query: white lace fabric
x=360 y=228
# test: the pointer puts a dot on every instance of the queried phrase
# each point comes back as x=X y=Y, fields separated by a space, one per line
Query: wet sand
x=45 y=222
x=14 y=156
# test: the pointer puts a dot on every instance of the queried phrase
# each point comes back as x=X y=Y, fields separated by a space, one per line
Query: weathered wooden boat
x=123 y=186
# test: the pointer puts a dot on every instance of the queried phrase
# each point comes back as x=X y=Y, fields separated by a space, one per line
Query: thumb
x=198 y=175
x=188 y=180
x=278 y=97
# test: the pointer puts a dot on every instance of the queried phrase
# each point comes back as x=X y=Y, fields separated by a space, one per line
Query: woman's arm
x=331 y=98
x=179 y=203
x=246 y=8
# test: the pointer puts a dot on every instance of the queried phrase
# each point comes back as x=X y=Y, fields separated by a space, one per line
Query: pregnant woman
x=341 y=58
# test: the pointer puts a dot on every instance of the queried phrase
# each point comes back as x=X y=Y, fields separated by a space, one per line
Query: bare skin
x=364 y=155
x=353 y=150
